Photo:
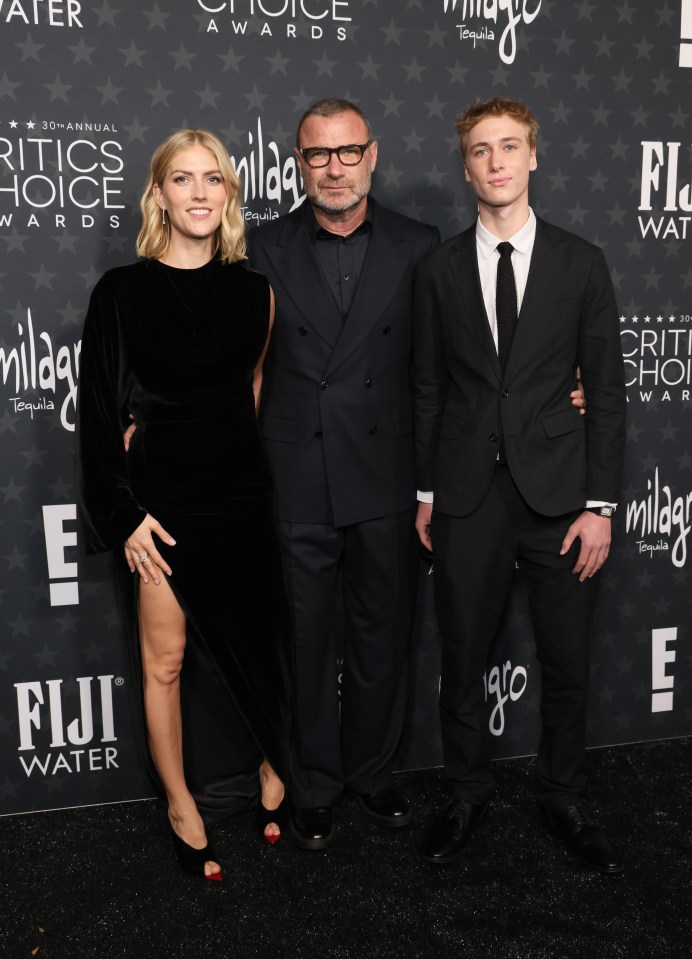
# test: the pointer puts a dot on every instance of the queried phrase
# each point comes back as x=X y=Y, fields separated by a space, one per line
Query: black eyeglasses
x=349 y=155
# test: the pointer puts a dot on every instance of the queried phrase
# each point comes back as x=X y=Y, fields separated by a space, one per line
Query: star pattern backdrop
x=86 y=93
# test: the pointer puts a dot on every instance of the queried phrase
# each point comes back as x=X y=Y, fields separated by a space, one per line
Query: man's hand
x=578 y=398
x=127 y=435
x=594 y=533
x=141 y=553
x=423 y=524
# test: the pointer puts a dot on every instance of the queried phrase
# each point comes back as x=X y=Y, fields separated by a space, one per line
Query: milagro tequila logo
x=503 y=683
x=267 y=178
x=38 y=374
x=51 y=741
x=274 y=18
x=661 y=521
x=489 y=12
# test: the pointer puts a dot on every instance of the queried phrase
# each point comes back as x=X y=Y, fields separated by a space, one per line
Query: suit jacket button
x=369 y=383
x=493 y=437
x=324 y=385
x=303 y=330
x=504 y=394
x=387 y=330
x=373 y=430
x=318 y=435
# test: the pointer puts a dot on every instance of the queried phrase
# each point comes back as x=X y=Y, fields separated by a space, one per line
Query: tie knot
x=504 y=249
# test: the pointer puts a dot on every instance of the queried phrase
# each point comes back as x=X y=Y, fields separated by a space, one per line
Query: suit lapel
x=541 y=276
x=294 y=258
x=464 y=264
x=385 y=263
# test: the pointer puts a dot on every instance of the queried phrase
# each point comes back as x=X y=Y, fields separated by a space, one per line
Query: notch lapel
x=464 y=265
x=542 y=273
x=385 y=263
x=305 y=284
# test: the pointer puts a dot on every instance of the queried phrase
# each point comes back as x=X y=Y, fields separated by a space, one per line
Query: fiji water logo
x=75 y=744
x=483 y=13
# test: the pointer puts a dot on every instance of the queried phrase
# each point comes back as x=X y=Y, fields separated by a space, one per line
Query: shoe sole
x=312 y=845
x=391 y=822
x=444 y=860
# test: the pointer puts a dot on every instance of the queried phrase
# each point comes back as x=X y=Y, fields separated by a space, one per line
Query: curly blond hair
x=154 y=236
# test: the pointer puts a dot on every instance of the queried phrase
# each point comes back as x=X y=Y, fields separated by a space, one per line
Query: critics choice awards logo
x=657 y=351
x=316 y=19
x=62 y=170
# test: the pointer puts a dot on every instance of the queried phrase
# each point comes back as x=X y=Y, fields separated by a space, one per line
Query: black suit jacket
x=336 y=410
x=568 y=318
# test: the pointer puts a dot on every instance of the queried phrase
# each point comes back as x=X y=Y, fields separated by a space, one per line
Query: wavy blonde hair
x=154 y=236
x=495 y=107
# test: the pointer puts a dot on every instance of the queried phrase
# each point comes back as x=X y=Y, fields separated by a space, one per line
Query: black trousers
x=349 y=740
x=475 y=556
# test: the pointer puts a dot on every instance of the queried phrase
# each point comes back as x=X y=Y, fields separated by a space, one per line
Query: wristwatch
x=606 y=511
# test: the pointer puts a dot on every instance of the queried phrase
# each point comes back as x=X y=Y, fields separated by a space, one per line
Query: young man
x=505 y=313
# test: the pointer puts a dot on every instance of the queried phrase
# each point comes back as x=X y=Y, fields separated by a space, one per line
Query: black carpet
x=102 y=882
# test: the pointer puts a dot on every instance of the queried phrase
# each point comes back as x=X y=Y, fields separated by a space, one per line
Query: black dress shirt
x=341 y=257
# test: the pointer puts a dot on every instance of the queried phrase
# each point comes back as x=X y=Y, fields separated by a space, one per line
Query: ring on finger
x=144 y=557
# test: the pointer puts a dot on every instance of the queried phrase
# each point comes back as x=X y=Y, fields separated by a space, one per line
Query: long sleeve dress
x=177 y=349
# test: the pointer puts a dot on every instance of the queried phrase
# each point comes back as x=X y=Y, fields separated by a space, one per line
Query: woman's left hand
x=141 y=553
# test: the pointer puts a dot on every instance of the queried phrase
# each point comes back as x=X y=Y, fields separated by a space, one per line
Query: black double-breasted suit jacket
x=464 y=403
x=336 y=410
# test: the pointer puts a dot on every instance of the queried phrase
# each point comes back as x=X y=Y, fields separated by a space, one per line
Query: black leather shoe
x=313 y=828
x=452 y=830
x=386 y=807
x=576 y=828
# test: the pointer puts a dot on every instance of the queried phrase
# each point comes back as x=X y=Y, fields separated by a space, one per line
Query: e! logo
x=661 y=681
x=57 y=539
x=686 y=33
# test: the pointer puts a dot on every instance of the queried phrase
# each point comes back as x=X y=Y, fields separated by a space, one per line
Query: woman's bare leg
x=163 y=634
x=271 y=795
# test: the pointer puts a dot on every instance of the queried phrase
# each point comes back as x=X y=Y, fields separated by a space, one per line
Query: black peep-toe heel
x=264 y=816
x=193 y=860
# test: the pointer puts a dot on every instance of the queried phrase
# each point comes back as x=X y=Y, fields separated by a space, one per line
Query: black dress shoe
x=313 y=828
x=574 y=825
x=452 y=830
x=386 y=807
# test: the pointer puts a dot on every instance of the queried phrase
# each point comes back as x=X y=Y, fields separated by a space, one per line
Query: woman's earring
x=163 y=217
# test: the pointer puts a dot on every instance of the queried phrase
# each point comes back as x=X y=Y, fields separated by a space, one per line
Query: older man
x=336 y=416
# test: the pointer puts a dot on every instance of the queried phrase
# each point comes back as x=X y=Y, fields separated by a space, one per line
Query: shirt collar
x=317 y=230
x=522 y=241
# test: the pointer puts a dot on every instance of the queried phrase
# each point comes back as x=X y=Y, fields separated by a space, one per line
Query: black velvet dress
x=177 y=349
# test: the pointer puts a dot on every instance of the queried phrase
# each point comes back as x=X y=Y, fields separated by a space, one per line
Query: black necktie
x=505 y=302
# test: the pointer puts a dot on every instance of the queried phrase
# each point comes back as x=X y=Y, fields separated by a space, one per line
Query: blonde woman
x=177 y=340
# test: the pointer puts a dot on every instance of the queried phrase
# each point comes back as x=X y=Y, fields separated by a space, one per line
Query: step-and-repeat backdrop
x=88 y=90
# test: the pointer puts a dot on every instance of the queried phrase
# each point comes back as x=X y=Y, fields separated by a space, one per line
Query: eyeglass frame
x=332 y=150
